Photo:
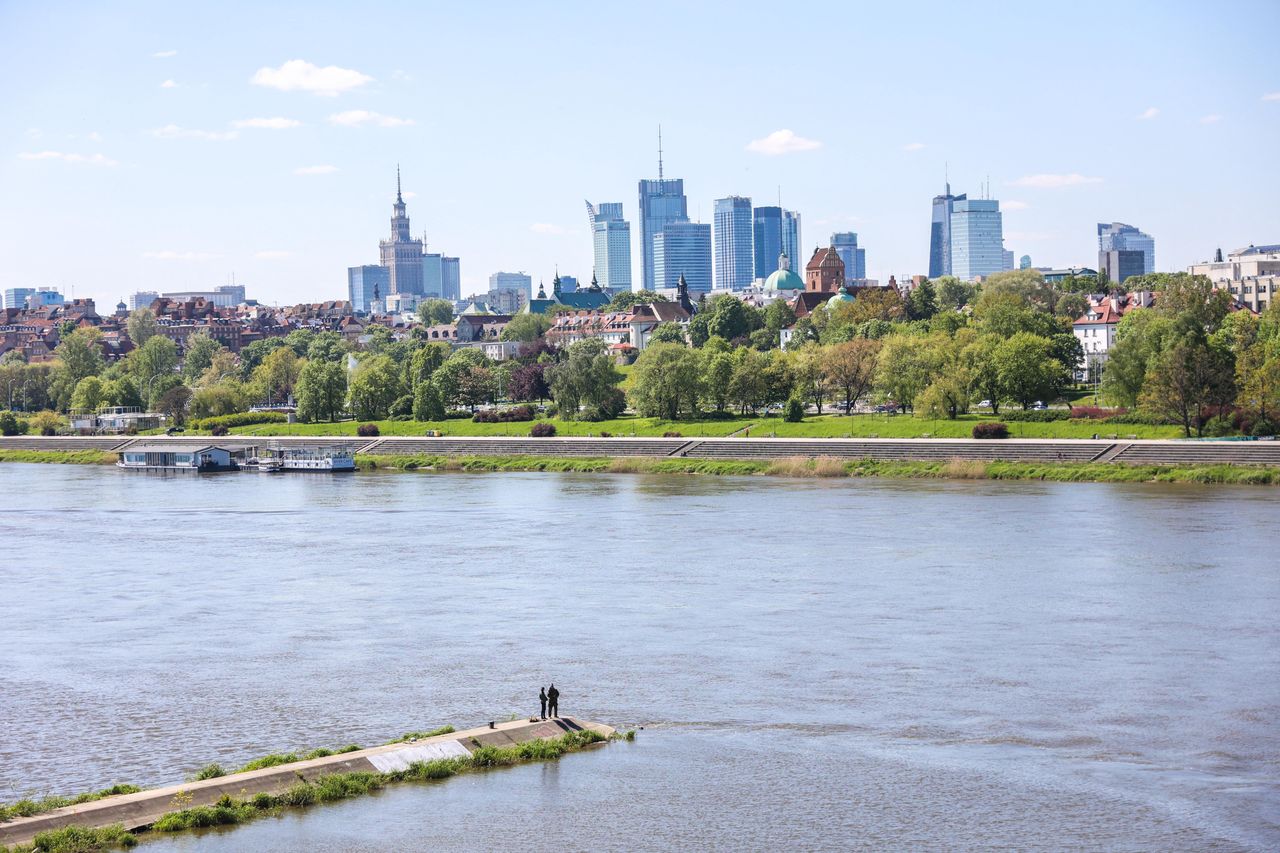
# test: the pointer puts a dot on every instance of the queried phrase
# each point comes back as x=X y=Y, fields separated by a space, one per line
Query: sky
x=166 y=146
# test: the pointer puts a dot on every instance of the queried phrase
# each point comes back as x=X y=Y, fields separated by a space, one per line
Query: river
x=816 y=664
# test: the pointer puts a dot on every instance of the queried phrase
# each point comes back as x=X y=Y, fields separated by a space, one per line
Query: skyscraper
x=735 y=261
x=432 y=274
x=611 y=242
x=1118 y=237
x=661 y=201
x=516 y=281
x=940 y=233
x=976 y=237
x=855 y=260
x=365 y=284
x=451 y=278
x=775 y=231
x=16 y=297
x=402 y=255
x=683 y=248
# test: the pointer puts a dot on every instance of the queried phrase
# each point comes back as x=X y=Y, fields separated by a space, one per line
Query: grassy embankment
x=814 y=426
x=63 y=457
x=337 y=786
x=830 y=467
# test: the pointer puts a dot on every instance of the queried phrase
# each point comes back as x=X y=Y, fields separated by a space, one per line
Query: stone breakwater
x=136 y=811
x=1124 y=452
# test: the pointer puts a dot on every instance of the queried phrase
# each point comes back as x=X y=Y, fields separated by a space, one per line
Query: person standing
x=542 y=697
x=553 y=701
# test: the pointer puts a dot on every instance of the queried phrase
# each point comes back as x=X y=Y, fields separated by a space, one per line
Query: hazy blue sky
x=169 y=145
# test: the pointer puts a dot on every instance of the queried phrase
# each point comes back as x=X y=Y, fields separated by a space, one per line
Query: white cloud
x=1148 y=114
x=1210 y=119
x=95 y=136
x=315 y=170
x=172 y=131
x=548 y=228
x=358 y=118
x=1013 y=205
x=300 y=75
x=170 y=255
x=782 y=142
x=1053 y=182
x=272 y=255
x=276 y=123
x=169 y=84
x=1271 y=96
x=164 y=54
x=913 y=146
x=87 y=159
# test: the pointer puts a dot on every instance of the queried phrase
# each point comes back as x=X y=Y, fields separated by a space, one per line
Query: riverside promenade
x=1118 y=451
x=136 y=811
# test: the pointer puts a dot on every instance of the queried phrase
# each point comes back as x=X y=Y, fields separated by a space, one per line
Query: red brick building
x=825 y=271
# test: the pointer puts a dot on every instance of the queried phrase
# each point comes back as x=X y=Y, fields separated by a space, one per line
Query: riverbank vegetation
x=58 y=457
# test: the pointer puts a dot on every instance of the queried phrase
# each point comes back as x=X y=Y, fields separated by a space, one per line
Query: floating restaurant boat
x=324 y=459
x=166 y=457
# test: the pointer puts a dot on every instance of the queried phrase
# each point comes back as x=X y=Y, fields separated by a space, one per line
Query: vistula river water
x=816 y=664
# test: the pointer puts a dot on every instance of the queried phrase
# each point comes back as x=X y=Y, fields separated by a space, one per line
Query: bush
x=672 y=434
x=239 y=419
x=1263 y=427
x=402 y=407
x=1096 y=413
x=10 y=425
x=795 y=411
x=552 y=410
x=543 y=430
x=209 y=771
x=456 y=414
x=1038 y=416
x=990 y=429
x=219 y=429
x=1220 y=426
x=368 y=431
x=495 y=416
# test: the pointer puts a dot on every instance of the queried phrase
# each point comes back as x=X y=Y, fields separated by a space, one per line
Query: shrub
x=368 y=431
x=604 y=434
x=10 y=425
x=1096 y=413
x=402 y=407
x=219 y=429
x=1263 y=427
x=552 y=410
x=795 y=411
x=46 y=422
x=1037 y=416
x=456 y=414
x=543 y=430
x=990 y=429
x=494 y=416
x=239 y=419
x=1219 y=426
x=209 y=771
x=672 y=434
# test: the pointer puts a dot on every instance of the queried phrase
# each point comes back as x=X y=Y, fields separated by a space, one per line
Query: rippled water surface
x=817 y=664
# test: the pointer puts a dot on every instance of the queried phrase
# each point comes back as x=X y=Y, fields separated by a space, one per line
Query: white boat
x=171 y=457
x=324 y=459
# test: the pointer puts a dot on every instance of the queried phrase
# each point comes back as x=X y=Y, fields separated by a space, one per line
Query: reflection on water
x=818 y=664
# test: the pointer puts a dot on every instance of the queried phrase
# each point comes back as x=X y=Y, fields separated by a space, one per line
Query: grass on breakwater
x=30 y=808
x=831 y=467
x=77 y=839
x=408 y=736
x=59 y=457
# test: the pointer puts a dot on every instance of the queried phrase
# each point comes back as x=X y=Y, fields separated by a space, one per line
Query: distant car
x=985 y=404
x=1039 y=406
x=887 y=408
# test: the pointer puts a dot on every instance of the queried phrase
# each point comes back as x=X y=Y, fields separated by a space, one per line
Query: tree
x=1072 y=306
x=667 y=381
x=157 y=357
x=299 y=340
x=1258 y=377
x=851 y=368
x=374 y=385
x=224 y=398
x=811 y=381
x=322 y=386
x=425 y=361
x=476 y=386
x=88 y=394
x=905 y=368
x=667 y=333
x=141 y=325
x=435 y=312
x=922 y=302
x=528 y=383
x=1185 y=379
x=327 y=346
x=948 y=395
x=730 y=318
x=979 y=356
x=78 y=356
x=278 y=374
x=1140 y=338
x=1026 y=370
x=748 y=388
x=952 y=293
x=587 y=380
x=173 y=404
x=200 y=349
x=253 y=354
x=717 y=374
x=526 y=327
x=628 y=299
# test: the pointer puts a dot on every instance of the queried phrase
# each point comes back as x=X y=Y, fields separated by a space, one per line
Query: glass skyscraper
x=361 y=284
x=611 y=244
x=451 y=278
x=735 y=261
x=776 y=231
x=683 y=248
x=940 y=233
x=977 y=238
x=1118 y=237
x=432 y=274
x=855 y=260
x=661 y=202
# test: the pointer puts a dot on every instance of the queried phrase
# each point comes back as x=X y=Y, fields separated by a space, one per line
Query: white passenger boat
x=324 y=459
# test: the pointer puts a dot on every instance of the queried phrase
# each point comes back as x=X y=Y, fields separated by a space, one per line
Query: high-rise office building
x=661 y=201
x=940 y=233
x=517 y=281
x=611 y=242
x=1120 y=264
x=142 y=299
x=432 y=274
x=451 y=278
x=366 y=284
x=683 y=248
x=735 y=260
x=855 y=259
x=402 y=255
x=42 y=297
x=16 y=297
x=1007 y=264
x=233 y=293
x=977 y=238
x=775 y=231
x=1118 y=237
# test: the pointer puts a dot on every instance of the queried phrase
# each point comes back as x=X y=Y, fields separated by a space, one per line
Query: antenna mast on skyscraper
x=659 y=152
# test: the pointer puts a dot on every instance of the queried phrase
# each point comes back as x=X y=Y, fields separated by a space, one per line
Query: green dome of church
x=841 y=297
x=783 y=278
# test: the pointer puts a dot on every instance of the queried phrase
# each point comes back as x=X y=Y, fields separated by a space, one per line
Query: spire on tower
x=659 y=152
x=399 y=200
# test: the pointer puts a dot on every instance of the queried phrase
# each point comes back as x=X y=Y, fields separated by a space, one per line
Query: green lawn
x=909 y=426
x=618 y=426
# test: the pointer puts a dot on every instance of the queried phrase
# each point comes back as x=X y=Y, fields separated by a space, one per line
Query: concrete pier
x=136 y=811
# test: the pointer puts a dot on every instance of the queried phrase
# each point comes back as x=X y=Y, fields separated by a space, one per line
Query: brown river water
x=816 y=664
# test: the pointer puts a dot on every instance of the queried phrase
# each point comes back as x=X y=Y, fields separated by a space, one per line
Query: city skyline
x=176 y=166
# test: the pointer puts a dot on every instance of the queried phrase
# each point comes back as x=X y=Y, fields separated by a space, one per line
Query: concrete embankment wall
x=146 y=807
x=916 y=449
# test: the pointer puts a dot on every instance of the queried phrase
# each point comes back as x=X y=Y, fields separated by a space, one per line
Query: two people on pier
x=550 y=699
